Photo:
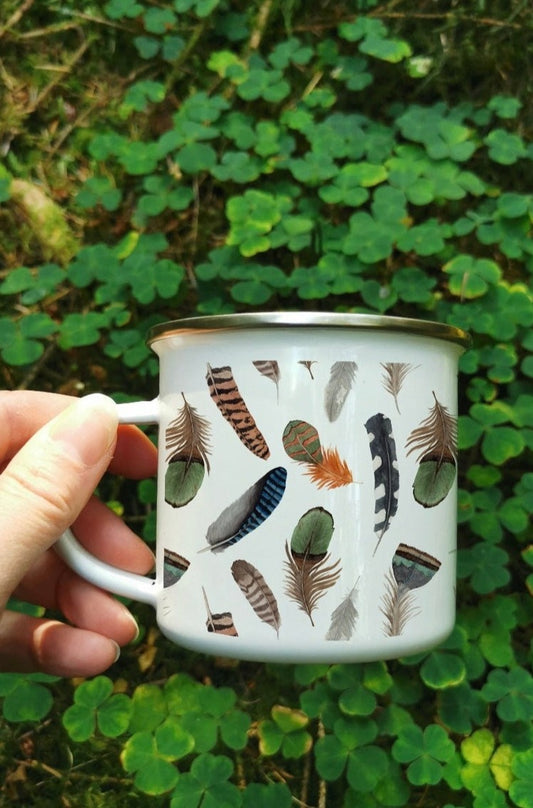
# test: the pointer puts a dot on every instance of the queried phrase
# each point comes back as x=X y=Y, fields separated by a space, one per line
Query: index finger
x=23 y=412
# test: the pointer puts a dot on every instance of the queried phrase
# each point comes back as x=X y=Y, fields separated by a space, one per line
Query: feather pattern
x=301 y=441
x=386 y=474
x=436 y=441
x=344 y=618
x=308 y=574
x=247 y=512
x=189 y=434
x=257 y=592
x=411 y=568
x=225 y=393
x=270 y=369
x=187 y=443
x=397 y=607
x=174 y=567
x=221 y=623
x=394 y=376
x=308 y=365
x=341 y=379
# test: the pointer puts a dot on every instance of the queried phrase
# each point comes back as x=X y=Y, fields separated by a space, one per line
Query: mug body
x=307 y=485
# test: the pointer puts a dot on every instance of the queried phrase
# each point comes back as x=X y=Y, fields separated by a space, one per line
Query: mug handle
x=106 y=576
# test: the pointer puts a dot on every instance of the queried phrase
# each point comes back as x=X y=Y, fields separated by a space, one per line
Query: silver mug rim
x=304 y=319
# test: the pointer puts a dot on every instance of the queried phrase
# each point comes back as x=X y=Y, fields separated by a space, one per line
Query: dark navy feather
x=386 y=474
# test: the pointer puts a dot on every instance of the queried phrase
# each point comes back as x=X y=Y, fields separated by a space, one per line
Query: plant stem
x=16 y=17
x=261 y=22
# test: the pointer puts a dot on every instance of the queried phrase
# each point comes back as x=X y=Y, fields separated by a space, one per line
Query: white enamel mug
x=306 y=486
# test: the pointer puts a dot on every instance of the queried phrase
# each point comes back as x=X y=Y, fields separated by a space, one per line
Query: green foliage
x=25 y=698
x=212 y=157
x=286 y=732
x=96 y=706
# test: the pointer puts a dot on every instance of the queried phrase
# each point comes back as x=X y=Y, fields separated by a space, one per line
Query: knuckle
x=38 y=489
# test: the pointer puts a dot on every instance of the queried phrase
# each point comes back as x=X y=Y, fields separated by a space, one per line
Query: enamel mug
x=306 y=486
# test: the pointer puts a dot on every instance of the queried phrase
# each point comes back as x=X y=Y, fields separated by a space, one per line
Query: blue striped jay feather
x=248 y=512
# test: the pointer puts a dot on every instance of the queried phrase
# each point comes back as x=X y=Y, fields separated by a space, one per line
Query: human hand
x=53 y=452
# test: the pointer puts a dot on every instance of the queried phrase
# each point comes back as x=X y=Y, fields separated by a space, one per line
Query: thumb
x=49 y=481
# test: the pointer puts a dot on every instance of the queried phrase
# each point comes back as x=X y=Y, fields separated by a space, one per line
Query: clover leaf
x=461 y=708
x=521 y=789
x=95 y=705
x=207 y=712
x=441 y=670
x=505 y=147
x=413 y=285
x=470 y=277
x=148 y=708
x=425 y=751
x=233 y=724
x=159 y=20
x=424 y=239
x=513 y=692
x=485 y=767
x=505 y=106
x=389 y=50
x=115 y=9
x=368 y=238
x=349 y=749
x=477 y=751
x=140 y=95
x=21 y=340
x=486 y=566
x=81 y=329
x=206 y=784
x=286 y=732
x=238 y=167
x=25 y=697
x=356 y=697
x=502 y=443
x=153 y=773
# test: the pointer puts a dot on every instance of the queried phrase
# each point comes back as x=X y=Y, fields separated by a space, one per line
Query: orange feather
x=331 y=472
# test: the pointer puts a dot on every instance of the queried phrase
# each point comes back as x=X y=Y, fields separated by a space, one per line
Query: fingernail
x=117 y=651
x=87 y=429
x=137 y=629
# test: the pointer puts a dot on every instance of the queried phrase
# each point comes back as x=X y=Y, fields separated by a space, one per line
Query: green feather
x=413 y=568
x=308 y=574
x=436 y=440
x=302 y=442
x=183 y=479
x=187 y=444
x=312 y=534
x=433 y=480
